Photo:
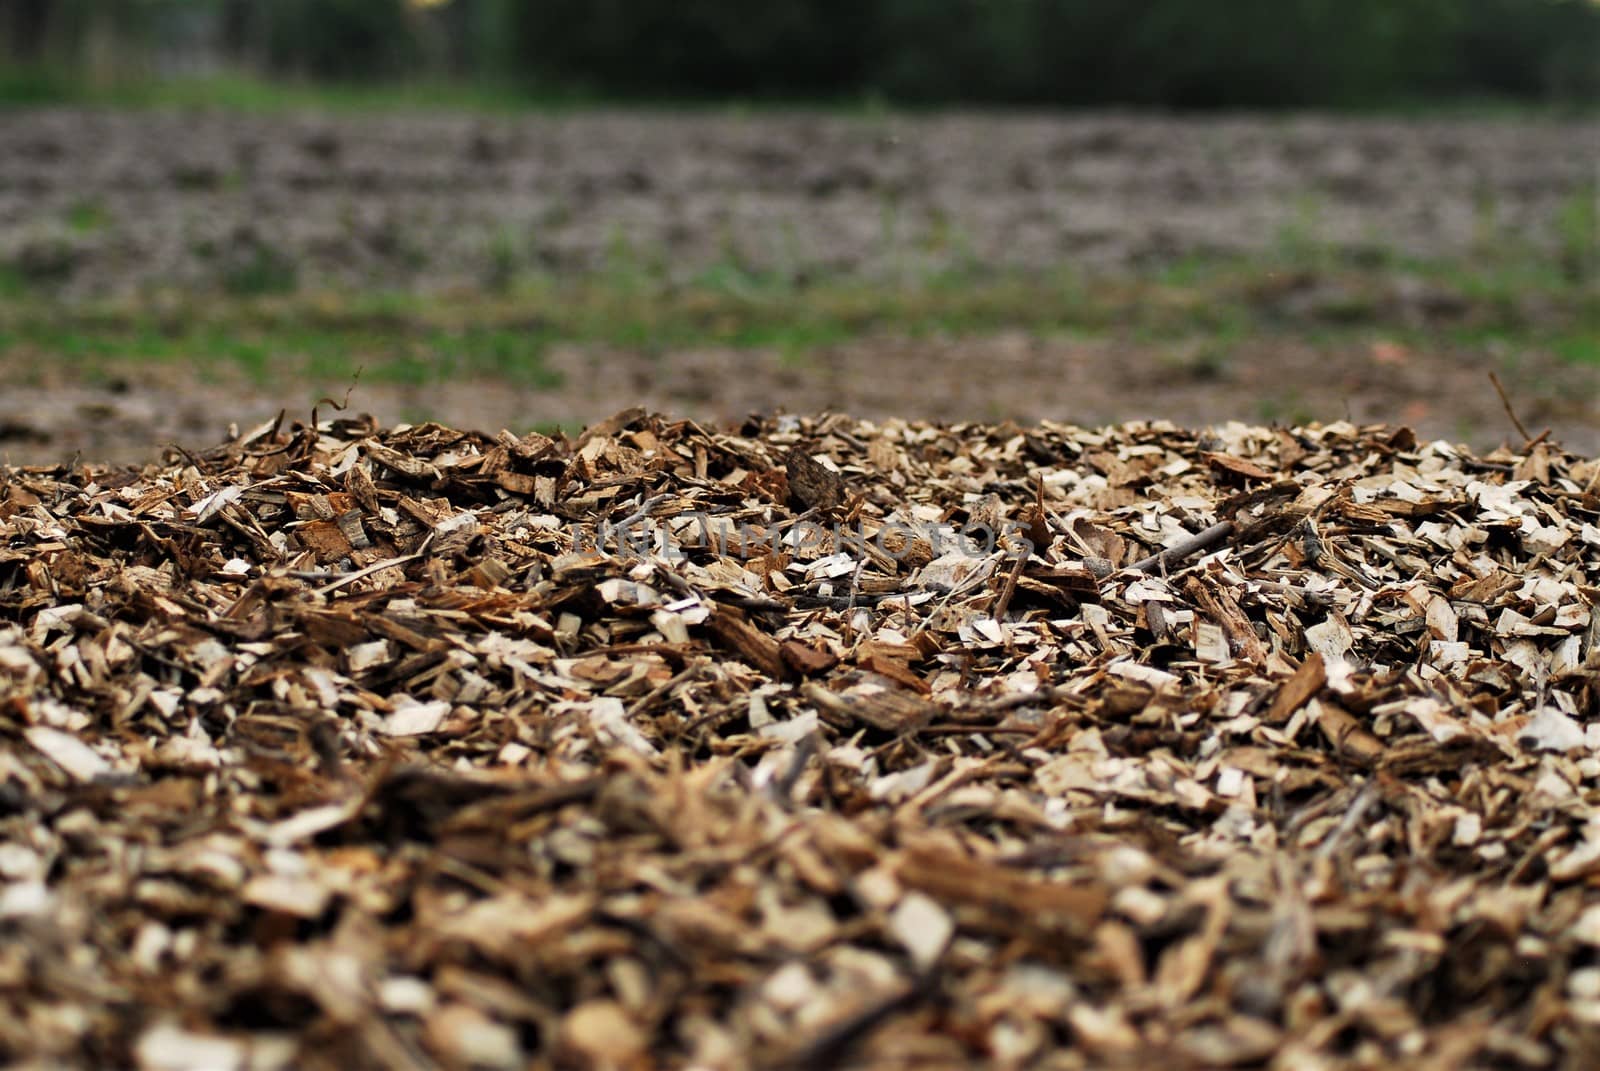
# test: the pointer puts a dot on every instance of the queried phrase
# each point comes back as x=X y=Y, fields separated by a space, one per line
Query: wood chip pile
x=817 y=743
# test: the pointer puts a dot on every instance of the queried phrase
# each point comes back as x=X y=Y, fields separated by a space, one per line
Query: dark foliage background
x=1166 y=53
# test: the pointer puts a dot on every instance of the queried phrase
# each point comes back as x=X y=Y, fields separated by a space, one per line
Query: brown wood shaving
x=347 y=747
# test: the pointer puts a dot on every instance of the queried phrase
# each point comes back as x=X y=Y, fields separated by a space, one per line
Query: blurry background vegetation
x=1146 y=53
x=555 y=281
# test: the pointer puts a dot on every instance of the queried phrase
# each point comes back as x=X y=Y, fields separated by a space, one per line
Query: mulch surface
x=808 y=743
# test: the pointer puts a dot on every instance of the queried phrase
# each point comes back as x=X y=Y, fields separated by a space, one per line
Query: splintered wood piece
x=1346 y=734
x=811 y=482
x=746 y=641
x=806 y=660
x=1007 y=902
x=1235 y=466
x=1297 y=690
x=1220 y=606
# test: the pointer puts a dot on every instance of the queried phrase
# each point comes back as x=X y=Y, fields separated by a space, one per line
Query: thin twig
x=828 y=1045
x=809 y=601
x=1510 y=412
x=654 y=696
x=1010 y=588
x=781 y=787
x=855 y=585
x=983 y=707
x=387 y=563
x=974 y=730
x=1193 y=545
x=1351 y=821
x=1319 y=598
x=640 y=514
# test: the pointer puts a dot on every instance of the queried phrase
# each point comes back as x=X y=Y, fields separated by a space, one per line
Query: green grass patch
x=86 y=217
x=36 y=87
x=13 y=282
x=268 y=349
x=241 y=92
x=265 y=328
x=1578 y=224
x=244 y=92
x=40 y=85
x=1579 y=348
x=259 y=269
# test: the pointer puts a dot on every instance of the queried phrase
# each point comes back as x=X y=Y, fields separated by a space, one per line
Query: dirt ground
x=1013 y=376
x=110 y=202
x=101 y=206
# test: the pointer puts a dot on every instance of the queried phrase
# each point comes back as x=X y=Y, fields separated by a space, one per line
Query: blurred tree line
x=1166 y=53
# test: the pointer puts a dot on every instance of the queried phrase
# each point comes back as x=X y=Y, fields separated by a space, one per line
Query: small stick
x=832 y=1041
x=650 y=698
x=855 y=585
x=642 y=513
x=782 y=786
x=1009 y=589
x=1352 y=819
x=971 y=712
x=808 y=601
x=1510 y=412
x=973 y=730
x=1319 y=598
x=1193 y=545
x=387 y=563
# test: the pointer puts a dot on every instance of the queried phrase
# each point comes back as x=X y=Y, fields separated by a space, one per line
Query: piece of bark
x=1236 y=466
x=1297 y=690
x=1220 y=606
x=1008 y=902
x=748 y=642
x=805 y=659
x=813 y=484
x=1344 y=732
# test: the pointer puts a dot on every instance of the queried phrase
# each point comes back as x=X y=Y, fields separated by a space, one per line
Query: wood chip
x=344 y=746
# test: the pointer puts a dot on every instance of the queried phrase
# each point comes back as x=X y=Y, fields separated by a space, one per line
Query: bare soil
x=1001 y=377
x=117 y=203
x=104 y=206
